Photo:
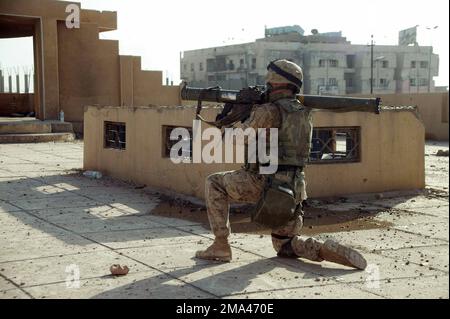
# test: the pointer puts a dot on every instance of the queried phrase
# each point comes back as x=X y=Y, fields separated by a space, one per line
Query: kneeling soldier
x=279 y=196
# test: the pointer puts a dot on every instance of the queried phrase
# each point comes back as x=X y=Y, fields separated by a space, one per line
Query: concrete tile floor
x=55 y=224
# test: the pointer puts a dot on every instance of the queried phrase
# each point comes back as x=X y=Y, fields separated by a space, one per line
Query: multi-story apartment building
x=331 y=64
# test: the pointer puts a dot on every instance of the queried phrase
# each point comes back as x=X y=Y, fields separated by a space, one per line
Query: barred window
x=168 y=143
x=384 y=83
x=335 y=145
x=423 y=82
x=332 y=81
x=115 y=135
x=333 y=63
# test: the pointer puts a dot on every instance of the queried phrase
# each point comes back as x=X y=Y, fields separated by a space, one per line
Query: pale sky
x=159 y=30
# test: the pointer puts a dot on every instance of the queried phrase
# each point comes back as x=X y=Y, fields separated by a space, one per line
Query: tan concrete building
x=73 y=67
x=331 y=65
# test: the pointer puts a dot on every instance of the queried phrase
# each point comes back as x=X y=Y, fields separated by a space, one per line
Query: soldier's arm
x=262 y=116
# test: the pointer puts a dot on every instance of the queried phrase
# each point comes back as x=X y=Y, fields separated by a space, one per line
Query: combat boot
x=340 y=254
x=220 y=250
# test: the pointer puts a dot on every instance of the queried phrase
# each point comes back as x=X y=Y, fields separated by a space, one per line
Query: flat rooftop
x=52 y=217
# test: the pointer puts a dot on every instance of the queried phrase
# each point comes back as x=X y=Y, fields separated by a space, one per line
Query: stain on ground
x=316 y=220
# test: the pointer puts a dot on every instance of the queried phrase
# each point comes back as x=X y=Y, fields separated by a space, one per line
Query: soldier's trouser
x=246 y=187
x=222 y=188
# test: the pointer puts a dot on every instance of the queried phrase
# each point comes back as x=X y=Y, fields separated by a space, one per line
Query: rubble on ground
x=442 y=153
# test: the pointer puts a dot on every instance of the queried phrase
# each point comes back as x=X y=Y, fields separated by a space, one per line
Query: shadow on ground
x=106 y=209
x=316 y=220
x=228 y=282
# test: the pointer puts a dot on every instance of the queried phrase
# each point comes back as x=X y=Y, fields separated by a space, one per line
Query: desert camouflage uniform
x=246 y=186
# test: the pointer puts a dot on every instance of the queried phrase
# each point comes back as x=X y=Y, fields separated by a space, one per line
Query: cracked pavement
x=56 y=224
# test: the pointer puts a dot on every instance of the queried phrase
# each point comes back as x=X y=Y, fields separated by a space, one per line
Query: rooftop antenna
x=9 y=71
x=2 y=88
x=28 y=71
x=17 y=72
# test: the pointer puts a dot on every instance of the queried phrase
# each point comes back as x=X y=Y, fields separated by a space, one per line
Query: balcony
x=327 y=90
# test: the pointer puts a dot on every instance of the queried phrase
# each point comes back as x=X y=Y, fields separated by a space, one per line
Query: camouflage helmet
x=284 y=72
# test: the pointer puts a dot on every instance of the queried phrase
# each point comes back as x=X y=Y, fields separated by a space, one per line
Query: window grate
x=115 y=135
x=335 y=145
x=168 y=143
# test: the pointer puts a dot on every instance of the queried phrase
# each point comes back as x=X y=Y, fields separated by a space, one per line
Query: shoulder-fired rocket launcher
x=238 y=104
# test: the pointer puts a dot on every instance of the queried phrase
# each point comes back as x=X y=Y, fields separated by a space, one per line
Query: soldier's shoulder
x=291 y=105
x=268 y=107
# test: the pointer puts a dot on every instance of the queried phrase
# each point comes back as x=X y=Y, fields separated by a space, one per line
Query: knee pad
x=283 y=246
x=278 y=242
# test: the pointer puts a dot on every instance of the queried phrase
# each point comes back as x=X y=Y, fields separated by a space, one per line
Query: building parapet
x=144 y=160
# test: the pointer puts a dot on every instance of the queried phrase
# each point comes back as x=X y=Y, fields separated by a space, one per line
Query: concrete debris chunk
x=118 y=270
